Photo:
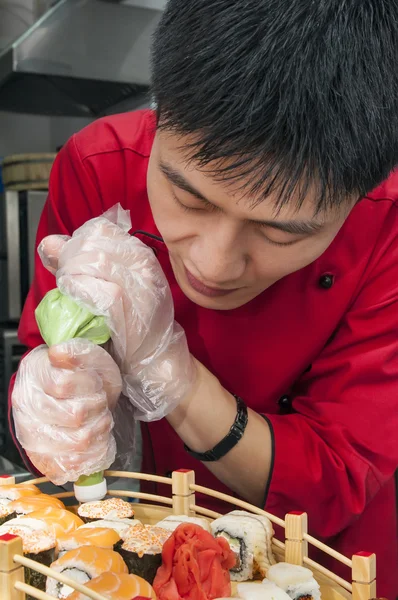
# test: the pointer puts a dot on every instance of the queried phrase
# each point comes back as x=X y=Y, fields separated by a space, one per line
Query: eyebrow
x=179 y=180
x=294 y=227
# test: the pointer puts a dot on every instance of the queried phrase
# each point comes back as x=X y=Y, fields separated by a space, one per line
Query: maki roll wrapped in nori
x=98 y=536
x=113 y=508
x=141 y=550
x=81 y=565
x=38 y=544
x=250 y=538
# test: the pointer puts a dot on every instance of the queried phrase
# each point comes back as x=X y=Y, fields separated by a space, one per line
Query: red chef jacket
x=317 y=353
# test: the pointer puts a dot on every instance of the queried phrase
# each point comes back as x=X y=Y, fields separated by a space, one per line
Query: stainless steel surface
x=35 y=204
x=81 y=58
x=13 y=254
x=11 y=352
x=21 y=213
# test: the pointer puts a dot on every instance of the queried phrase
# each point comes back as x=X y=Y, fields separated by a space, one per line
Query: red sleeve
x=72 y=200
x=343 y=435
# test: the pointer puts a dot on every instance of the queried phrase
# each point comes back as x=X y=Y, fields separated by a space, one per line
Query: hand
x=62 y=402
x=115 y=275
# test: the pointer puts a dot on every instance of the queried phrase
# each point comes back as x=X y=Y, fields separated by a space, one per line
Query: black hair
x=285 y=94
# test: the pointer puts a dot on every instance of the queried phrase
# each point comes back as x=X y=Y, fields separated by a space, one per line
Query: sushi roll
x=10 y=509
x=141 y=550
x=30 y=504
x=117 y=586
x=38 y=544
x=6 y=512
x=250 y=538
x=297 y=582
x=8 y=493
x=258 y=591
x=154 y=530
x=171 y=523
x=121 y=526
x=81 y=565
x=99 y=537
x=59 y=520
x=27 y=524
x=114 y=508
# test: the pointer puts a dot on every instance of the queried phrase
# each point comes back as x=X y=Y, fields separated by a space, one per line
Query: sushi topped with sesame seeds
x=113 y=508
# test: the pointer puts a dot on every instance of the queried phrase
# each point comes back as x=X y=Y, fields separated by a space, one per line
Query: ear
x=50 y=249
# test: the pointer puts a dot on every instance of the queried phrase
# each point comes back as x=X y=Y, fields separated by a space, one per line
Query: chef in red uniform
x=249 y=190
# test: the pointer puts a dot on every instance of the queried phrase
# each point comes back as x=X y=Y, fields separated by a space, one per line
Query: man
x=253 y=185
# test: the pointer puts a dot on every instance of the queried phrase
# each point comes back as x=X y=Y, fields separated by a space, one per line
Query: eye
x=183 y=206
x=264 y=229
x=203 y=205
x=273 y=243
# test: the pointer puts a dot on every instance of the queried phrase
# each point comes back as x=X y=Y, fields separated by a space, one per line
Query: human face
x=224 y=251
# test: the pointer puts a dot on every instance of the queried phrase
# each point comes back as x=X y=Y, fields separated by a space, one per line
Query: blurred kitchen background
x=63 y=63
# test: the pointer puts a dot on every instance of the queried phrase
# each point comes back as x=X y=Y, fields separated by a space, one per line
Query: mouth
x=205 y=290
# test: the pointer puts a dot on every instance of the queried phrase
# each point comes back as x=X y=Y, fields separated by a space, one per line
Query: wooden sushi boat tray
x=293 y=550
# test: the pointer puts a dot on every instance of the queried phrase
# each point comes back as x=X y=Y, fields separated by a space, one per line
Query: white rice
x=61 y=591
x=255 y=591
x=295 y=580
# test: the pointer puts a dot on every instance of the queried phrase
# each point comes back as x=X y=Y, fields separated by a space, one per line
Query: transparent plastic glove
x=62 y=403
x=115 y=275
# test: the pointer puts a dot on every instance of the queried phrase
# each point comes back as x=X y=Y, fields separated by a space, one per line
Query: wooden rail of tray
x=293 y=550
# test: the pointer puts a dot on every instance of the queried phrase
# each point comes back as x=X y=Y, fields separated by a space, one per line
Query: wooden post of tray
x=363 y=576
x=7 y=480
x=296 y=547
x=183 y=496
x=10 y=572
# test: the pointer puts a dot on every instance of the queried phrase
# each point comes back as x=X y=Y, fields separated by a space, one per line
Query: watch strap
x=229 y=441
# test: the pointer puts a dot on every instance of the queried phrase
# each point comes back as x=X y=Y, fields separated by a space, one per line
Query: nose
x=219 y=256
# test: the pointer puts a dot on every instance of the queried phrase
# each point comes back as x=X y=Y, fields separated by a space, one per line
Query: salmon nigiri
x=13 y=493
x=81 y=565
x=8 y=493
x=59 y=520
x=29 y=504
x=100 y=537
x=117 y=586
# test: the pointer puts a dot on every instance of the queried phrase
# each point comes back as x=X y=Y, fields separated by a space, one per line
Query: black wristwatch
x=231 y=439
